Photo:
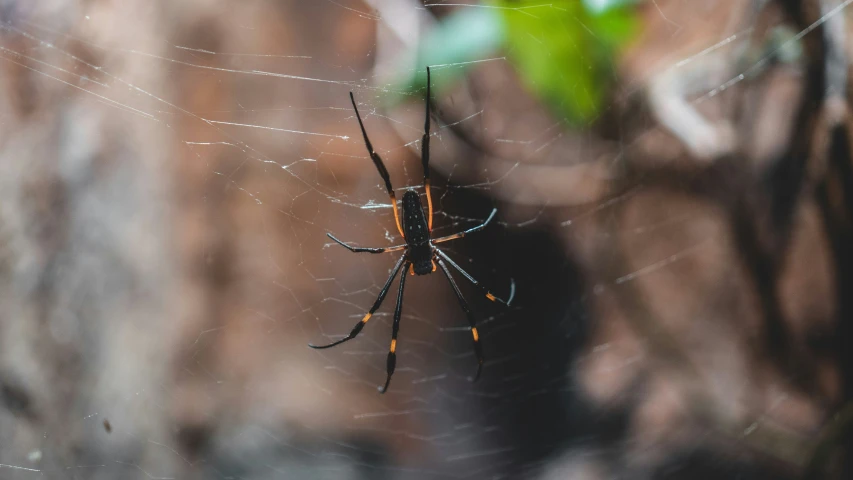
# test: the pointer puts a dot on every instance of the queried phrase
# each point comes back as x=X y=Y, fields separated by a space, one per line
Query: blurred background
x=674 y=190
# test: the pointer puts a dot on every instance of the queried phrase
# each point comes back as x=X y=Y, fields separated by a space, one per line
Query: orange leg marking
x=476 y=334
x=429 y=205
x=396 y=214
x=412 y=270
x=490 y=296
x=434 y=268
x=449 y=237
x=393 y=346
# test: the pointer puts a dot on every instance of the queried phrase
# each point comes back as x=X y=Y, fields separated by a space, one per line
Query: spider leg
x=392 y=352
x=425 y=154
x=471 y=279
x=380 y=166
x=358 y=326
x=468 y=313
x=366 y=249
x=470 y=230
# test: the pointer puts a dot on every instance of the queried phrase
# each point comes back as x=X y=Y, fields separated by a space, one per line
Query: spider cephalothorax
x=421 y=255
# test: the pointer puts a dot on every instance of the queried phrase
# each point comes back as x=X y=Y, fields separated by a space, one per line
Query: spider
x=421 y=253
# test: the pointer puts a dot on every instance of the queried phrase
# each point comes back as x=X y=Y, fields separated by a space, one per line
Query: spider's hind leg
x=358 y=326
x=392 y=351
x=489 y=295
x=475 y=334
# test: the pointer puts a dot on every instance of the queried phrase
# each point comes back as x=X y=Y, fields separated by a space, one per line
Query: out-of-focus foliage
x=563 y=50
x=467 y=35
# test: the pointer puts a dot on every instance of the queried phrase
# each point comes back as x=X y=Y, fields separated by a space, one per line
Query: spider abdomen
x=414 y=221
x=416 y=230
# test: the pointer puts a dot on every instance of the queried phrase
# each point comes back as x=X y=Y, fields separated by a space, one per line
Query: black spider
x=421 y=253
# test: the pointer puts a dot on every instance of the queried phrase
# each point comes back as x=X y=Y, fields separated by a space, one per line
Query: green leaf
x=564 y=52
x=465 y=36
